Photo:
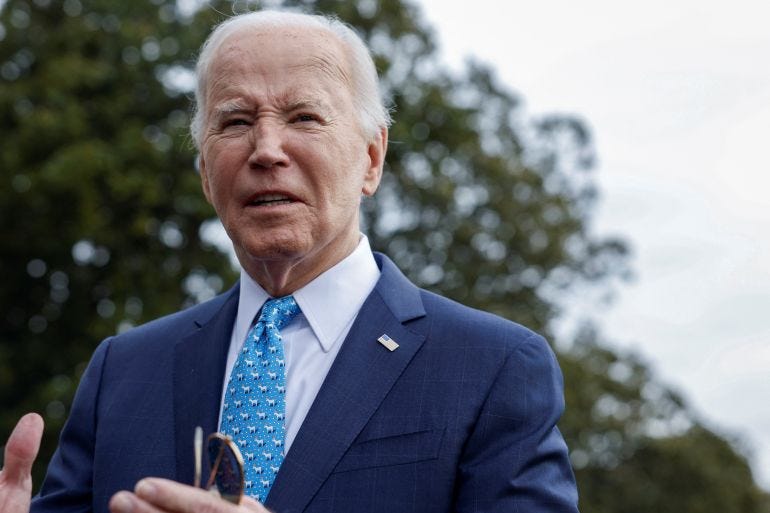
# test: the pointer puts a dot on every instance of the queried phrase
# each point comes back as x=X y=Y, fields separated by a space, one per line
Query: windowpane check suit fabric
x=254 y=407
x=460 y=418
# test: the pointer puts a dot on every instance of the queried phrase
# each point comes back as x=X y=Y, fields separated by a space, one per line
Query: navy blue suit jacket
x=460 y=418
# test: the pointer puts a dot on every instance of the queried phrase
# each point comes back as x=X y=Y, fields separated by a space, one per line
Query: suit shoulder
x=456 y=320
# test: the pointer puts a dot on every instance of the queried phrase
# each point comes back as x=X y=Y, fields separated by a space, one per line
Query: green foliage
x=102 y=223
x=636 y=447
x=701 y=473
x=102 y=210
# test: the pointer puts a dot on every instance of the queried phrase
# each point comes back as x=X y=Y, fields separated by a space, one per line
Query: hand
x=155 y=495
x=20 y=453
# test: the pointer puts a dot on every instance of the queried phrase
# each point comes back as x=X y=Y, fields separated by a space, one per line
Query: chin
x=271 y=249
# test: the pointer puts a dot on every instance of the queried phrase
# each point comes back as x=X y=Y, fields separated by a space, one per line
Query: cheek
x=341 y=169
x=340 y=186
x=219 y=164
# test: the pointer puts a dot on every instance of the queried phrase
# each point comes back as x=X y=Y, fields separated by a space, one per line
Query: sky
x=677 y=95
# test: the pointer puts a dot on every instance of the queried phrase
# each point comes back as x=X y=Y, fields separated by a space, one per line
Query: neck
x=283 y=276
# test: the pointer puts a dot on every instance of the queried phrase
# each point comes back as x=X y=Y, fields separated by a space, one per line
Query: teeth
x=272 y=198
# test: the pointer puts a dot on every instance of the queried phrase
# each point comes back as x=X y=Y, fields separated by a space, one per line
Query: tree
x=102 y=218
x=637 y=447
x=104 y=225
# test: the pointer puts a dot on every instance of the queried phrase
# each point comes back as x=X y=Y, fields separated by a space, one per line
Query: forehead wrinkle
x=328 y=58
x=329 y=55
x=298 y=98
x=328 y=63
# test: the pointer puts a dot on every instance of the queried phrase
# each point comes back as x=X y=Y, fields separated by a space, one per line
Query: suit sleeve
x=67 y=486
x=515 y=458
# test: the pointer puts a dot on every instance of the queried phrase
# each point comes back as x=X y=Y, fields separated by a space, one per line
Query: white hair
x=367 y=96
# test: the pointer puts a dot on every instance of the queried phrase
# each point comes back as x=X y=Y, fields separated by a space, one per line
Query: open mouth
x=271 y=200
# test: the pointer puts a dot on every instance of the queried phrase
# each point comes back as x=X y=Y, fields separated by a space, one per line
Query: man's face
x=283 y=158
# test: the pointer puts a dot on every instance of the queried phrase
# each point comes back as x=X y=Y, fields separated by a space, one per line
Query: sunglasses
x=226 y=474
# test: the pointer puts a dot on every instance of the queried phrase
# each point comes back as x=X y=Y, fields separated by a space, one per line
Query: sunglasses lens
x=227 y=468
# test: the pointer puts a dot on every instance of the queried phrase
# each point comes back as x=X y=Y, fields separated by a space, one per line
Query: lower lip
x=272 y=204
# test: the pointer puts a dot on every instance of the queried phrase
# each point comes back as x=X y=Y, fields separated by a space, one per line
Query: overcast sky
x=677 y=94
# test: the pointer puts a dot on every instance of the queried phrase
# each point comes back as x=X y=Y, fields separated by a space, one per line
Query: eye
x=236 y=122
x=305 y=118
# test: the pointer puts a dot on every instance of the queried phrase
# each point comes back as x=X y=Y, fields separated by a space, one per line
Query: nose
x=267 y=146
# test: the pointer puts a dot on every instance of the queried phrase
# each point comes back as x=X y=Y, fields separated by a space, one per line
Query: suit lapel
x=360 y=378
x=199 y=366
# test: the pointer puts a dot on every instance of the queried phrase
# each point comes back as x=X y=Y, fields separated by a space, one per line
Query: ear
x=204 y=178
x=376 y=150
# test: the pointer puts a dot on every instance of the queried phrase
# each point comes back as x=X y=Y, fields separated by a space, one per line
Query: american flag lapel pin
x=388 y=342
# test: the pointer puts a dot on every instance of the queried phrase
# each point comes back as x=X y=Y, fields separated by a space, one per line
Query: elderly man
x=346 y=388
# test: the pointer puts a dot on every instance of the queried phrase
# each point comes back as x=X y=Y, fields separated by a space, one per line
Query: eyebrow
x=229 y=107
x=239 y=107
x=306 y=104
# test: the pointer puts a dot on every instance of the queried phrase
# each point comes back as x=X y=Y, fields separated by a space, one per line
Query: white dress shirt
x=330 y=304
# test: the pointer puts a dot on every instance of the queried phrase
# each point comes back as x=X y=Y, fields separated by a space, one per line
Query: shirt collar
x=329 y=303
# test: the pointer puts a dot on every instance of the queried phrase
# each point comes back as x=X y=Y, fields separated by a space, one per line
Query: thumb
x=253 y=506
x=21 y=449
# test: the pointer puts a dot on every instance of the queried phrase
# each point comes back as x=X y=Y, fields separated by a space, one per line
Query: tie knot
x=279 y=312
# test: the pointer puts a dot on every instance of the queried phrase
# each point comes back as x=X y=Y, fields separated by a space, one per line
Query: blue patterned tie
x=254 y=406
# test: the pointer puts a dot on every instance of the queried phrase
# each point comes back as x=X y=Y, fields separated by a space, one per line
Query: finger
x=128 y=502
x=168 y=495
x=125 y=502
x=252 y=505
x=22 y=447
